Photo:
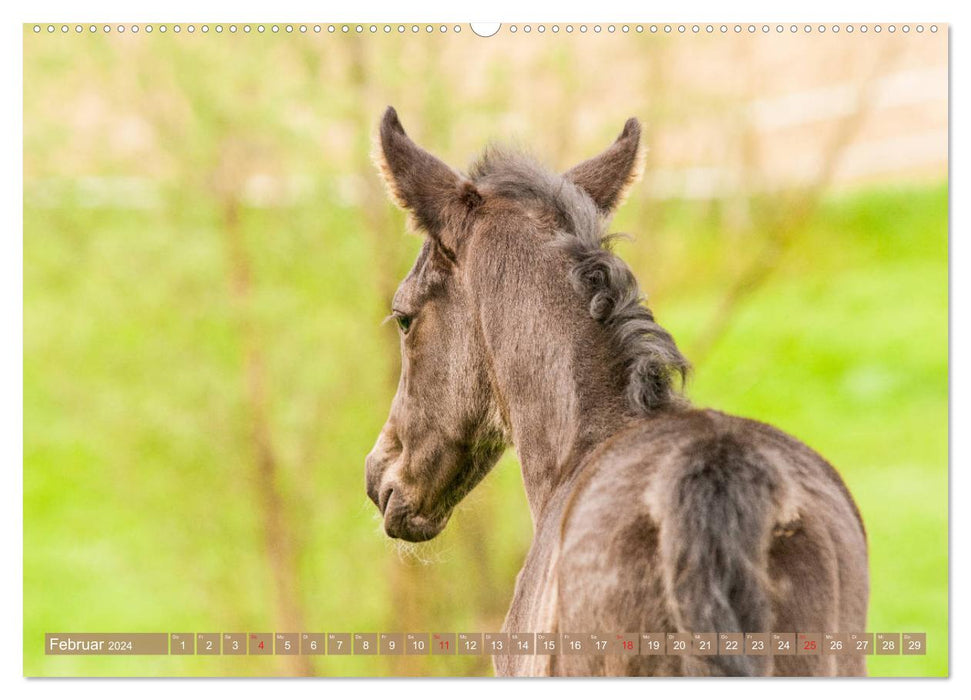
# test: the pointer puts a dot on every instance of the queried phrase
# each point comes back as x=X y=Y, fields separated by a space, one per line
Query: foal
x=519 y=327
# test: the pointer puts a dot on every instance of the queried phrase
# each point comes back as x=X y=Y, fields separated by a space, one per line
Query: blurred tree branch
x=278 y=532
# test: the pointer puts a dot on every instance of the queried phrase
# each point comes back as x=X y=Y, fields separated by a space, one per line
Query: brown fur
x=650 y=515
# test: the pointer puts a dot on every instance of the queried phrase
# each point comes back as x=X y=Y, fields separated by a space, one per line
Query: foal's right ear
x=420 y=182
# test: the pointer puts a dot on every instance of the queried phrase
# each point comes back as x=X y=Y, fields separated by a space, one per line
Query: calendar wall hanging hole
x=485 y=29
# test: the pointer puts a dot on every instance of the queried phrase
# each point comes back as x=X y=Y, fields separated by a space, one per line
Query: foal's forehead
x=410 y=288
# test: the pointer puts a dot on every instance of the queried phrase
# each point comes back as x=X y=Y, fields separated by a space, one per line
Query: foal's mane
x=646 y=351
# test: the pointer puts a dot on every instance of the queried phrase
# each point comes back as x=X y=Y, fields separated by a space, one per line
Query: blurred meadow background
x=208 y=255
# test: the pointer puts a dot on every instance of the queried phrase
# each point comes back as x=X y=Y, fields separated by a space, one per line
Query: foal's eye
x=404 y=322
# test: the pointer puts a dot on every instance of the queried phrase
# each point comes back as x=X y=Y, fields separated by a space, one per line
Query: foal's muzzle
x=400 y=519
x=401 y=523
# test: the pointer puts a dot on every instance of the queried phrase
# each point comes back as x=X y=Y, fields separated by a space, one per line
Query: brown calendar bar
x=490 y=643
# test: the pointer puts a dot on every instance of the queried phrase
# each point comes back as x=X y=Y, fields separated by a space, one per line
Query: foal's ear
x=420 y=182
x=607 y=176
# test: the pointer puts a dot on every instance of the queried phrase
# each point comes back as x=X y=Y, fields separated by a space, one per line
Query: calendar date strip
x=491 y=643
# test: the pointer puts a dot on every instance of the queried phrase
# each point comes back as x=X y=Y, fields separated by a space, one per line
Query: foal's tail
x=720 y=508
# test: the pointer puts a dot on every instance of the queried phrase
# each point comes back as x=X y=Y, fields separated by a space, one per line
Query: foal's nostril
x=384 y=498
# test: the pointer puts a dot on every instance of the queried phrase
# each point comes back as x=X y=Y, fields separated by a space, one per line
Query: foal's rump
x=702 y=522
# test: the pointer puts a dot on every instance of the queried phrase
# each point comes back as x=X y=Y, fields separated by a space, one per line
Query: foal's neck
x=559 y=391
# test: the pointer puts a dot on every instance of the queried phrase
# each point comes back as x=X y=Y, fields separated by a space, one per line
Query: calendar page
x=514 y=349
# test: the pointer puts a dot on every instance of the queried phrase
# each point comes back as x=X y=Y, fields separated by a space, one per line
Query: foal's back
x=696 y=521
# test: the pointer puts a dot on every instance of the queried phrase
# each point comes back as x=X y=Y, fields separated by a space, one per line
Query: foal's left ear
x=607 y=176
x=422 y=184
